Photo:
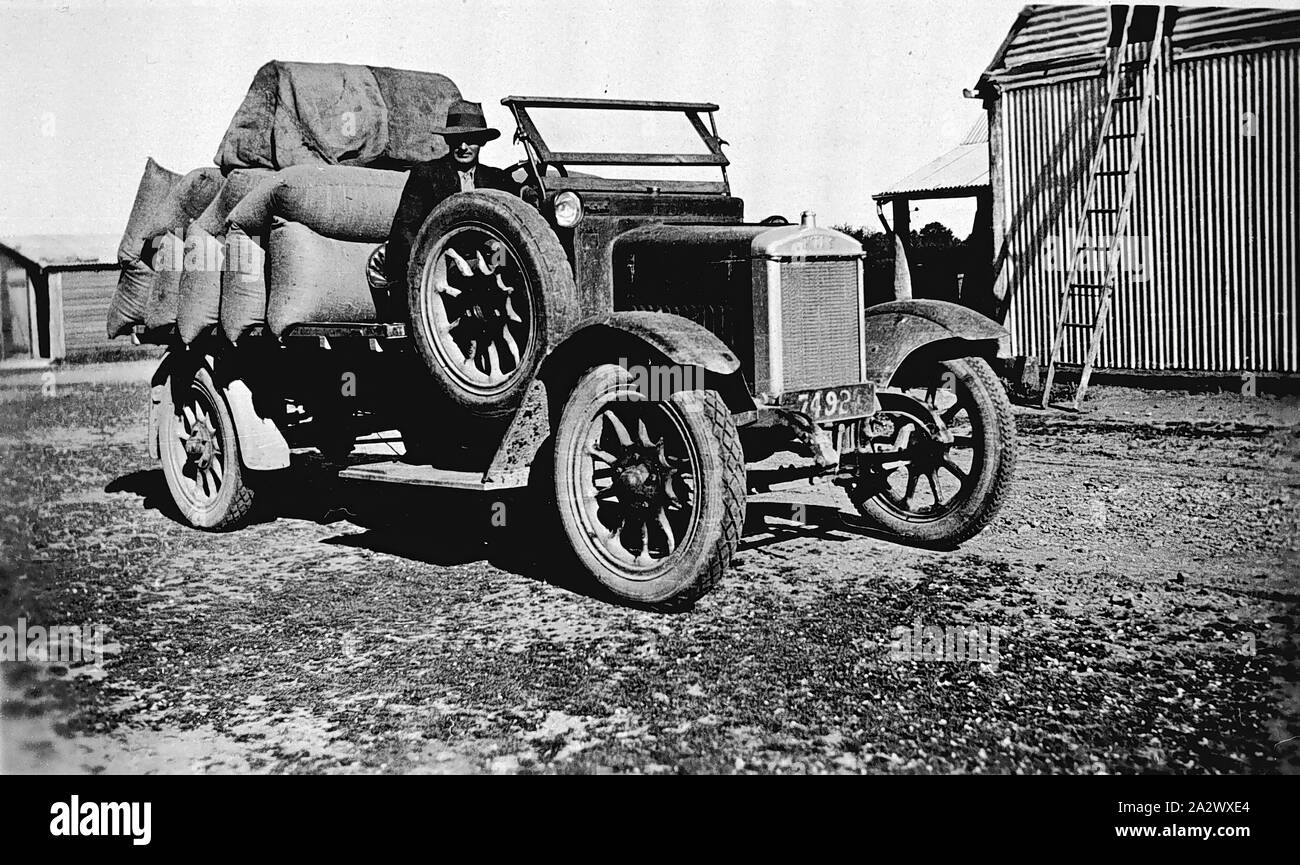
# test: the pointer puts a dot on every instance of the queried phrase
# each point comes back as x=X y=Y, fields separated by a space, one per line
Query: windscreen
x=604 y=130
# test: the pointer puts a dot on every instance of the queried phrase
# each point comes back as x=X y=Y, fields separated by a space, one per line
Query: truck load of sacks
x=279 y=232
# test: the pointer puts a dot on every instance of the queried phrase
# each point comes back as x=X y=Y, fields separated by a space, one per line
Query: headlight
x=568 y=209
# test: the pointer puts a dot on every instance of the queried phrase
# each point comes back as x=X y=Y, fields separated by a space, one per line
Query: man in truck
x=429 y=183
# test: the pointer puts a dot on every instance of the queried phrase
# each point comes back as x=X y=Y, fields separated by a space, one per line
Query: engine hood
x=779 y=242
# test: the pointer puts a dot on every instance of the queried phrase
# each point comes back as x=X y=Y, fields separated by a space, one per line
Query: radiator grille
x=819 y=323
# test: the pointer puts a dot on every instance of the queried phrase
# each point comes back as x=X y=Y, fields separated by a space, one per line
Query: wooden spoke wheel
x=936 y=461
x=200 y=455
x=651 y=493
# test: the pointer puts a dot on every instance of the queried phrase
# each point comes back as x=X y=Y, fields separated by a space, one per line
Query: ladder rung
x=1128 y=98
x=1120 y=135
x=1099 y=286
x=1130 y=64
x=1076 y=324
x=1103 y=210
x=1115 y=173
x=1097 y=248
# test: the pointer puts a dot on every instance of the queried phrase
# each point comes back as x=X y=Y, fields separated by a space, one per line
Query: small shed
x=962 y=172
x=54 y=295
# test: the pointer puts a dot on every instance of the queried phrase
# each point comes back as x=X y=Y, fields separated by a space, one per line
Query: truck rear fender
x=159 y=401
x=262 y=447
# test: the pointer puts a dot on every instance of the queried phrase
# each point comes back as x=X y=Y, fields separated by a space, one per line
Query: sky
x=824 y=102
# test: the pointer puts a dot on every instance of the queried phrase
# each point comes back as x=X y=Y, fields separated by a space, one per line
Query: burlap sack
x=168 y=261
x=234 y=188
x=133 y=286
x=200 y=283
x=313 y=278
x=243 y=284
x=199 y=288
x=302 y=113
x=339 y=202
x=187 y=199
x=164 y=229
x=337 y=114
x=253 y=212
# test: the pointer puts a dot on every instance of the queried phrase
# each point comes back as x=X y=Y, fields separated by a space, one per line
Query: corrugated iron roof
x=63 y=250
x=964 y=168
x=1048 y=43
x=979 y=133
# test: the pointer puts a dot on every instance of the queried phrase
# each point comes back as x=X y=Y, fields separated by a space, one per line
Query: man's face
x=464 y=150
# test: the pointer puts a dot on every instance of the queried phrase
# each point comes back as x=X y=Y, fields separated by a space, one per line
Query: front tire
x=919 y=486
x=651 y=494
x=200 y=455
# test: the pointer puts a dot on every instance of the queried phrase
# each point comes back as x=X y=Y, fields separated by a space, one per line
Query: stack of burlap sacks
x=280 y=232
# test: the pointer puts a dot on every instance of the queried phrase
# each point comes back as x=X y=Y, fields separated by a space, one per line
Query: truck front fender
x=631 y=335
x=679 y=339
x=893 y=331
x=613 y=337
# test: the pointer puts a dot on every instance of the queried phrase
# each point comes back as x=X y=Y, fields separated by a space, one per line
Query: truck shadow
x=512 y=530
x=443 y=528
x=774 y=522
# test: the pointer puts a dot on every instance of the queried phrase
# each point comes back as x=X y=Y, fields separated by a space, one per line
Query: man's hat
x=466 y=118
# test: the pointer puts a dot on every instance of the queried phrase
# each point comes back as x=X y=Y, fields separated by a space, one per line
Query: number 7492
x=833 y=403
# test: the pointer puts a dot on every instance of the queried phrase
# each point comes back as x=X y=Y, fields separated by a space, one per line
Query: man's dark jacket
x=428 y=184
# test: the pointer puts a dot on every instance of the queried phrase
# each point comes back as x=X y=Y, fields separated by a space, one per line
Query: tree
x=875 y=243
x=936 y=235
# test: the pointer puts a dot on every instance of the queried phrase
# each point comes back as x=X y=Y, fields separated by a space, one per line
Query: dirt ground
x=1142 y=583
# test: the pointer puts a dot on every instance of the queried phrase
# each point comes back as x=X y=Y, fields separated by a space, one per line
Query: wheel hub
x=926 y=451
x=642 y=477
x=199 y=446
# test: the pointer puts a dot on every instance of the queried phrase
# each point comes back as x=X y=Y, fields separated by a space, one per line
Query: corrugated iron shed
x=961 y=171
x=1209 y=275
x=1054 y=43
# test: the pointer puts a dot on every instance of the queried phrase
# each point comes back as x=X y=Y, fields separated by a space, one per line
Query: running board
x=396 y=472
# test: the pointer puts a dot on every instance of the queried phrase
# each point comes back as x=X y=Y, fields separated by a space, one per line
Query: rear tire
x=199 y=450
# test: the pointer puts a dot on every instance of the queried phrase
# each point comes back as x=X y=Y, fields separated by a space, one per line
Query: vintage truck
x=625 y=349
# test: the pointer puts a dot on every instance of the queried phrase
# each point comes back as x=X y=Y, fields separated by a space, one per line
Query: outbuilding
x=54 y=296
x=1211 y=280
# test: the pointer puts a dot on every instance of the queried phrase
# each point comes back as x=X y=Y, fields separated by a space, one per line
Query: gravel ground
x=1142 y=586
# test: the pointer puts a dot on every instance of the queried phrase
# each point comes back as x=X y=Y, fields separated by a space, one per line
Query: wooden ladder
x=1130 y=83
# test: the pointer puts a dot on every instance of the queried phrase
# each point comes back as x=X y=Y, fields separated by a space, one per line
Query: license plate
x=833 y=403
